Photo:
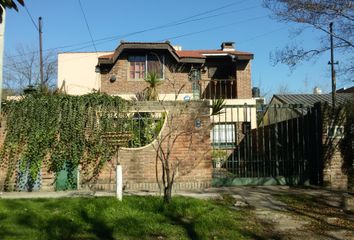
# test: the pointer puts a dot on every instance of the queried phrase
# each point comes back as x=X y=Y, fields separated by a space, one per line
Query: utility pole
x=332 y=68
x=40 y=53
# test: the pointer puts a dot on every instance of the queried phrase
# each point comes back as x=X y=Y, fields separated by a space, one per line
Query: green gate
x=66 y=179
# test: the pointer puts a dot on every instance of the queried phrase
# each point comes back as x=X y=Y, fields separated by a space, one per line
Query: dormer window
x=141 y=65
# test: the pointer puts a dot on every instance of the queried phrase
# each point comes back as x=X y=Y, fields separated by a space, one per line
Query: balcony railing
x=213 y=89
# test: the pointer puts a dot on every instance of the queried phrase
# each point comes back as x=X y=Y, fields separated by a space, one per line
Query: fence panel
x=282 y=148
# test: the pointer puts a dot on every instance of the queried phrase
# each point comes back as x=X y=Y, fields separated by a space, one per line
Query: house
x=185 y=74
x=197 y=74
x=220 y=73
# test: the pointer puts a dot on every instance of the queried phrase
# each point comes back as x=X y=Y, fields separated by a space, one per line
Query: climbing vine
x=61 y=130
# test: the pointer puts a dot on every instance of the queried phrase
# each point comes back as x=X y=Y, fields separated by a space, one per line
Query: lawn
x=133 y=218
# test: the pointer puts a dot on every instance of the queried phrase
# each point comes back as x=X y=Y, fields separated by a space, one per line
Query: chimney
x=228 y=46
x=177 y=47
x=317 y=90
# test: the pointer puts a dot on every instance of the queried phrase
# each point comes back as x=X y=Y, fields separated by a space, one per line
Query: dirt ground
x=296 y=213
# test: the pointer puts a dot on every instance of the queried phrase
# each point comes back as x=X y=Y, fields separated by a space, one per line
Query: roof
x=189 y=56
x=346 y=90
x=203 y=53
x=311 y=99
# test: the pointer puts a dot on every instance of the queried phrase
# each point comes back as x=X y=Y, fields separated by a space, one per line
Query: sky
x=197 y=24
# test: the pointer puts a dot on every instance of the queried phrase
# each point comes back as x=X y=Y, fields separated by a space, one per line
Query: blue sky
x=245 y=22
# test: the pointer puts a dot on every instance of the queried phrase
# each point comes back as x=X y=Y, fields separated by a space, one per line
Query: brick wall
x=192 y=149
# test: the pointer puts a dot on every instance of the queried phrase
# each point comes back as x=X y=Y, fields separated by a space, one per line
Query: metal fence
x=274 y=144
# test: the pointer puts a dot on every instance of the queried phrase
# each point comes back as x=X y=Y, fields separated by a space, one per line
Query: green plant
x=154 y=81
x=217 y=106
x=59 y=130
x=219 y=156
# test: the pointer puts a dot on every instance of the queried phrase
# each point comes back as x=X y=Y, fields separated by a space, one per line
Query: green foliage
x=154 y=81
x=145 y=127
x=217 y=106
x=60 y=130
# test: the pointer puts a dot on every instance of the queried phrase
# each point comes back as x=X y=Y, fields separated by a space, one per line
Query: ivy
x=59 y=131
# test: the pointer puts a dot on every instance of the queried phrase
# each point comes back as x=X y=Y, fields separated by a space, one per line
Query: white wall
x=241 y=113
x=77 y=72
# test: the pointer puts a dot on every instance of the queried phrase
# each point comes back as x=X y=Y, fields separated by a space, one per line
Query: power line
x=87 y=25
x=171 y=24
x=32 y=20
x=213 y=28
x=202 y=31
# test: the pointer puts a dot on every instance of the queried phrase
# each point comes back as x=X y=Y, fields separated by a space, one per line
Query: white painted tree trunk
x=119 y=182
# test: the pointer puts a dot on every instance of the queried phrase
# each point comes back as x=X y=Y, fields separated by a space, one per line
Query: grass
x=133 y=218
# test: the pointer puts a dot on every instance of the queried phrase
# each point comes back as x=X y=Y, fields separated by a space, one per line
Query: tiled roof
x=199 y=53
x=311 y=99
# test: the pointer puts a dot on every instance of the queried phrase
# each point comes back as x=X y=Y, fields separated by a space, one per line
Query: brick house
x=197 y=73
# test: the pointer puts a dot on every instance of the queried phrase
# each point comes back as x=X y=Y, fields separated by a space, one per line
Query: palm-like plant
x=217 y=106
x=154 y=81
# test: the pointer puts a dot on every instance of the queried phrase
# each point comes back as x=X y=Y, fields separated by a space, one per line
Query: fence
x=281 y=148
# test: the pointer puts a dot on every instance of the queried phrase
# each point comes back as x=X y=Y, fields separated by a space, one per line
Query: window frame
x=223 y=135
x=146 y=66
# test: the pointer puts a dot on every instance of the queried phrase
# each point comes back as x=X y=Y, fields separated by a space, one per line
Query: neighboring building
x=346 y=90
x=287 y=106
x=76 y=72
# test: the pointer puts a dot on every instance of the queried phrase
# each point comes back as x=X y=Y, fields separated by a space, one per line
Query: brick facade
x=176 y=78
x=172 y=82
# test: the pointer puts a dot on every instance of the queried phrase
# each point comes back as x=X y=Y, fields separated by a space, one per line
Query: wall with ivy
x=58 y=131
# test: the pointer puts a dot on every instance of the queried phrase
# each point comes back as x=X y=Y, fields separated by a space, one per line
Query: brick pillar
x=243 y=79
x=333 y=149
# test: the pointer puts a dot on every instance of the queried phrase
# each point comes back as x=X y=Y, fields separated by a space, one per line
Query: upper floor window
x=140 y=65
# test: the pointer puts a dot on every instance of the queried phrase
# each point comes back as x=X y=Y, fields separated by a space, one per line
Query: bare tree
x=23 y=70
x=316 y=14
x=180 y=133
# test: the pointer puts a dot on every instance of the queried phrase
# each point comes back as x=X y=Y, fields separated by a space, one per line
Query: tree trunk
x=167 y=194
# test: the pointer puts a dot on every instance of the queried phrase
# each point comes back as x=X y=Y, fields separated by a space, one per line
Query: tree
x=316 y=14
x=185 y=125
x=22 y=70
x=9 y=4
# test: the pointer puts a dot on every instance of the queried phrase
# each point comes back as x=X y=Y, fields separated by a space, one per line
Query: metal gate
x=266 y=144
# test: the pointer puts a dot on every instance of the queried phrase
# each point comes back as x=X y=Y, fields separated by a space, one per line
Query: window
x=137 y=66
x=143 y=64
x=223 y=135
